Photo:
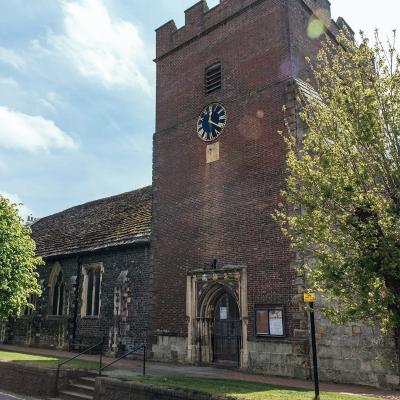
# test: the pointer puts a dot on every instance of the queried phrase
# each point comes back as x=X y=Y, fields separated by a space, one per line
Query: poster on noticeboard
x=276 y=322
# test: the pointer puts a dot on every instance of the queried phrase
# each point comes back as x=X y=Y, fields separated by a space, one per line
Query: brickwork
x=37 y=382
x=212 y=229
x=222 y=210
x=46 y=330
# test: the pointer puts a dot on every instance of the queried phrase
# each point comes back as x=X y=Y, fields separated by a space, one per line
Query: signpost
x=311 y=299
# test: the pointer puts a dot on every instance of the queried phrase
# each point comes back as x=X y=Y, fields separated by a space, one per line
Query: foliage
x=18 y=263
x=243 y=390
x=343 y=186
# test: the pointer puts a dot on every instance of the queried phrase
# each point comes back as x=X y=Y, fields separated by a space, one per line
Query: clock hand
x=218 y=125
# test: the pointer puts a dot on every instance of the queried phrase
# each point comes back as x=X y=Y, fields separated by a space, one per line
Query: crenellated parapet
x=164 y=36
x=319 y=6
x=194 y=16
x=343 y=25
x=198 y=18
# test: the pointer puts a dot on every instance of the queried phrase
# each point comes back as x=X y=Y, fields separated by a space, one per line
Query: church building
x=208 y=277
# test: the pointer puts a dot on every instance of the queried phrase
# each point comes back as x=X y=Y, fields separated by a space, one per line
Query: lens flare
x=315 y=28
x=252 y=127
x=318 y=23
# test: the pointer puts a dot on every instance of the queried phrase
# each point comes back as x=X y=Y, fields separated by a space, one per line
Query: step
x=72 y=395
x=86 y=380
x=80 y=388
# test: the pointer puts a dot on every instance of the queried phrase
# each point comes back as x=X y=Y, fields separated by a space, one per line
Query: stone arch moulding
x=54 y=274
x=204 y=287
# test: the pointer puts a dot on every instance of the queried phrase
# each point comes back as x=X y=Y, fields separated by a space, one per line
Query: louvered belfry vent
x=213 y=79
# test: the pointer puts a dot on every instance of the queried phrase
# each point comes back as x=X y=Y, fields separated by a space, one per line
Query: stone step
x=72 y=395
x=86 y=380
x=80 y=388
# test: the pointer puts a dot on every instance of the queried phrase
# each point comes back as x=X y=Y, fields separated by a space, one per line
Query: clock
x=211 y=122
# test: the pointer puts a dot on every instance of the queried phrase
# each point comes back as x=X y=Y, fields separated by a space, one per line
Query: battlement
x=200 y=18
x=319 y=5
x=342 y=24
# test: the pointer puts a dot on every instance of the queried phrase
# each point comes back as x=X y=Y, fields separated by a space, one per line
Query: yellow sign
x=310 y=297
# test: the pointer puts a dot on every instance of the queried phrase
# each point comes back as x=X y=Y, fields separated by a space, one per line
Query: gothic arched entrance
x=216 y=306
x=226 y=330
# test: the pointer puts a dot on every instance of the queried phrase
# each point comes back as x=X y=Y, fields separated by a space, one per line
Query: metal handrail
x=101 y=344
x=80 y=354
x=142 y=346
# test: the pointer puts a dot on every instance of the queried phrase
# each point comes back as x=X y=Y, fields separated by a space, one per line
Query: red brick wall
x=223 y=210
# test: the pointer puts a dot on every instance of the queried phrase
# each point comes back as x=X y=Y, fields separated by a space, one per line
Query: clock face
x=211 y=122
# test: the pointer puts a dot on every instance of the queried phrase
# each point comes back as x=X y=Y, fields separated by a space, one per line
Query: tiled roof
x=109 y=222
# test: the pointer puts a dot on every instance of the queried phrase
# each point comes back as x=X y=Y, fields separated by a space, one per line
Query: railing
x=100 y=345
x=142 y=346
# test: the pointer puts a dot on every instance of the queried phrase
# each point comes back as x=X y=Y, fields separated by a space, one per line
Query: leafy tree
x=18 y=263
x=342 y=210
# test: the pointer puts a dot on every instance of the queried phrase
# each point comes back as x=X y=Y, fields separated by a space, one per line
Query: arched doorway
x=227 y=330
x=217 y=312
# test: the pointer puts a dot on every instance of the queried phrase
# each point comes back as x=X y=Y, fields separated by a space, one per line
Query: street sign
x=310 y=297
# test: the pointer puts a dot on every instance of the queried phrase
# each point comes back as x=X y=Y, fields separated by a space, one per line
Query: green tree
x=342 y=202
x=18 y=263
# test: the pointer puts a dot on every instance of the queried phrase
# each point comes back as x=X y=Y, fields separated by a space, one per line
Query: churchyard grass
x=243 y=390
x=45 y=361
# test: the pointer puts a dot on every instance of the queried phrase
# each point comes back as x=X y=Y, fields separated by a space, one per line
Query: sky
x=77 y=93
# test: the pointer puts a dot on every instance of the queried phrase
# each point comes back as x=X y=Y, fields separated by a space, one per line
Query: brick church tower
x=224 y=284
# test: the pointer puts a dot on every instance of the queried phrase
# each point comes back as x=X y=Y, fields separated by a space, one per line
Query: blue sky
x=77 y=93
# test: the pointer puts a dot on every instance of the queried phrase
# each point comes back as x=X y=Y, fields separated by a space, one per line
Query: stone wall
x=109 y=389
x=37 y=382
x=280 y=357
x=123 y=319
x=354 y=354
x=169 y=348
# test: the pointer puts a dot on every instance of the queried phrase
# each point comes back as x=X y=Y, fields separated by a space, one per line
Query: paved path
x=134 y=367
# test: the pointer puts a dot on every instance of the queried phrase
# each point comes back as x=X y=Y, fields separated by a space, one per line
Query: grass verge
x=242 y=390
x=45 y=361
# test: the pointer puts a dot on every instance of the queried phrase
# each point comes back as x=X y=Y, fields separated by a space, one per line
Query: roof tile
x=113 y=221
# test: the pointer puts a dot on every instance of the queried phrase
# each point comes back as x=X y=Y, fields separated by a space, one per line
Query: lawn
x=45 y=361
x=243 y=390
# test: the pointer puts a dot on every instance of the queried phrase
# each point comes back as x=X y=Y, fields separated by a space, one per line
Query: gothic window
x=213 y=78
x=57 y=289
x=91 y=291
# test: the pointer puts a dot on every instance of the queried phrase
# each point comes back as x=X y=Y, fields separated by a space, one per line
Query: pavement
x=128 y=367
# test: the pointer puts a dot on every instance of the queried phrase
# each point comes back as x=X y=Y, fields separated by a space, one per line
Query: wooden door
x=227 y=330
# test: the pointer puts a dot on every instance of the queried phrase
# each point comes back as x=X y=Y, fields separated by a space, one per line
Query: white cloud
x=101 y=47
x=51 y=101
x=5 y=81
x=24 y=211
x=31 y=133
x=10 y=57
